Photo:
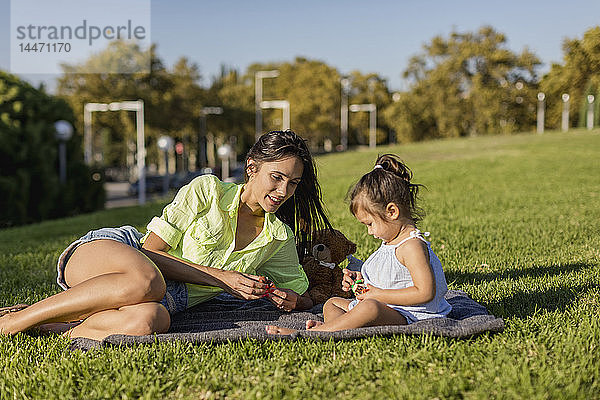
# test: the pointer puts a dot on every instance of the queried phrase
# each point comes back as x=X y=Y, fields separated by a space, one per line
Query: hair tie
x=377 y=166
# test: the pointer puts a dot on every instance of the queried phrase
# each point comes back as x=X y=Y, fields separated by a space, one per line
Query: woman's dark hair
x=389 y=182
x=304 y=211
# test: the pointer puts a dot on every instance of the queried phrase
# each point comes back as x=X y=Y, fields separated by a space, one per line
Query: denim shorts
x=175 y=299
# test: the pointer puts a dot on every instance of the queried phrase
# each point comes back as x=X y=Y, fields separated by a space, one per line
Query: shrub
x=30 y=189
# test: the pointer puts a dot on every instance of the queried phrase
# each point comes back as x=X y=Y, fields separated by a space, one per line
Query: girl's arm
x=241 y=285
x=415 y=256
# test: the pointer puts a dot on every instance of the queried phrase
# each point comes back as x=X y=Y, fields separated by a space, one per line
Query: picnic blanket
x=226 y=318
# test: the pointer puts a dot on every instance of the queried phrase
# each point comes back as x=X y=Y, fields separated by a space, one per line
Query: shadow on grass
x=526 y=303
x=474 y=277
x=523 y=302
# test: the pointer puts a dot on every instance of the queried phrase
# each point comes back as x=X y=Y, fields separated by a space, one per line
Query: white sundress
x=383 y=270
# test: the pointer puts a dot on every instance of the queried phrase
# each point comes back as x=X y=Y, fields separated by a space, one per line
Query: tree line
x=465 y=84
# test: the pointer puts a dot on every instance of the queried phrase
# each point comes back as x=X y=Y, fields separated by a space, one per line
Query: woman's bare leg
x=137 y=320
x=103 y=275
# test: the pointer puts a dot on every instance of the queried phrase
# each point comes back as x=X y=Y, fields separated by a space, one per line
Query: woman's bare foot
x=311 y=323
x=277 y=330
x=61 y=328
x=7 y=326
x=10 y=309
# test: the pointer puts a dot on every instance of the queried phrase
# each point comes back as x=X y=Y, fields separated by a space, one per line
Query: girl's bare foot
x=277 y=330
x=311 y=323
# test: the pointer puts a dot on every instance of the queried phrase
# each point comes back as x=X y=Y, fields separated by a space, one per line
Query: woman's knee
x=145 y=283
x=146 y=319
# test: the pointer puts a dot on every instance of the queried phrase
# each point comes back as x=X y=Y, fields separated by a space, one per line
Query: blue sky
x=369 y=36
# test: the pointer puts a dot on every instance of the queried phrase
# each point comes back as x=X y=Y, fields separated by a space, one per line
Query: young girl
x=404 y=277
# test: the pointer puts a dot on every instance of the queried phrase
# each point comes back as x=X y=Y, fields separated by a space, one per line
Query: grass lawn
x=516 y=223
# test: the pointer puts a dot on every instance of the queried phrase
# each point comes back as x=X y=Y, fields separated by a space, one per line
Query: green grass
x=516 y=223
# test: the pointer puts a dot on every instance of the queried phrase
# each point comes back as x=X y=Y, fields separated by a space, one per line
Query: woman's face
x=270 y=184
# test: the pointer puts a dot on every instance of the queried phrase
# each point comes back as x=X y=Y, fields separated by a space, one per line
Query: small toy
x=359 y=287
x=270 y=286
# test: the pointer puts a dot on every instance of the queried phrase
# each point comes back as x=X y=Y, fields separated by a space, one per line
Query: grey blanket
x=226 y=318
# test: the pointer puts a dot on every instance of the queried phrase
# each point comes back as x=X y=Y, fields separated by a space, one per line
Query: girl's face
x=270 y=184
x=377 y=226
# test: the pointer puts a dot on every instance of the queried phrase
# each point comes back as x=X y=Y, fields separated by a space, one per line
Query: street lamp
x=372 y=109
x=138 y=107
x=565 y=113
x=281 y=104
x=224 y=153
x=63 y=130
x=202 y=148
x=345 y=82
x=165 y=143
x=541 y=111
x=258 y=77
x=590 y=112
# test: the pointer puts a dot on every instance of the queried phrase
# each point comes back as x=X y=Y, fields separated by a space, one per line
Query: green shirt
x=200 y=226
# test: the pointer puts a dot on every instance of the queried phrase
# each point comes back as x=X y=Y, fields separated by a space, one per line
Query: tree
x=468 y=84
x=29 y=181
x=367 y=89
x=579 y=76
x=313 y=89
x=172 y=99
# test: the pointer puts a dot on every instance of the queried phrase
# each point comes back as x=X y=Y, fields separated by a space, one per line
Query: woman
x=214 y=236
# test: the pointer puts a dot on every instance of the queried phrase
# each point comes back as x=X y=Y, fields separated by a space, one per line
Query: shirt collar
x=230 y=200
x=273 y=227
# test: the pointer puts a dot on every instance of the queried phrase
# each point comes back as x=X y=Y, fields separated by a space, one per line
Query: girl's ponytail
x=388 y=182
x=392 y=164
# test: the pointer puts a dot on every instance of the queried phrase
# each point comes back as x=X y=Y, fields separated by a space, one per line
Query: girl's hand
x=284 y=299
x=349 y=278
x=244 y=286
x=372 y=292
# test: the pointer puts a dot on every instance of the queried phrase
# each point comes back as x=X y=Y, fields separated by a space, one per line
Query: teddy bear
x=328 y=248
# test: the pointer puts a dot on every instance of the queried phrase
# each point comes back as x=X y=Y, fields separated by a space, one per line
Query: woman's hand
x=349 y=278
x=243 y=286
x=288 y=300
x=284 y=299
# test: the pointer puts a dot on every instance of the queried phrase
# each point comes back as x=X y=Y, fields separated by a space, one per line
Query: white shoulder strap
x=414 y=234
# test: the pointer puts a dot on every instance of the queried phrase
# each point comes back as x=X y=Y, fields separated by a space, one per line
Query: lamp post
x=202 y=150
x=590 y=112
x=165 y=143
x=565 y=113
x=372 y=109
x=224 y=153
x=541 y=108
x=258 y=77
x=345 y=83
x=63 y=132
x=138 y=107
x=281 y=104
